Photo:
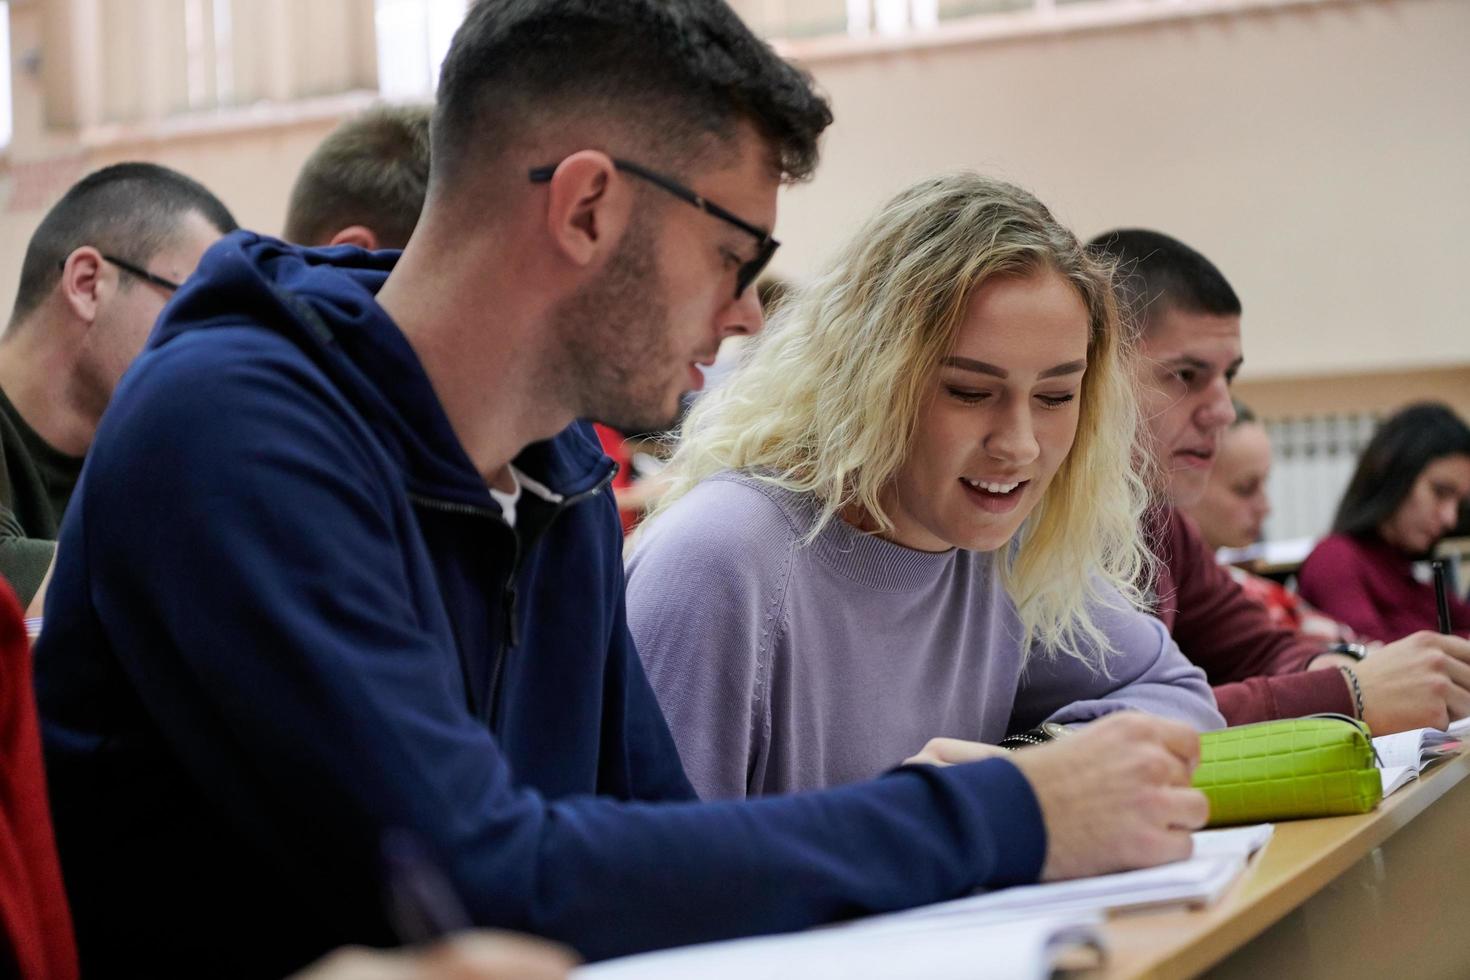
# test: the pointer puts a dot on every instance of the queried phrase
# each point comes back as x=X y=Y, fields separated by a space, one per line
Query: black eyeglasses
x=748 y=271
x=138 y=271
x=142 y=273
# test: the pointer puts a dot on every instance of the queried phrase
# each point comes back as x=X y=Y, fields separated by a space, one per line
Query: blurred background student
x=1231 y=513
x=1404 y=497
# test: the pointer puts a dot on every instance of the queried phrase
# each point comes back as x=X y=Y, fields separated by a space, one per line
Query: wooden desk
x=1453 y=548
x=1280 y=571
x=1385 y=894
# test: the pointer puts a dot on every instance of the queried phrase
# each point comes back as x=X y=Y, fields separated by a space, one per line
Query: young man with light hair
x=364 y=185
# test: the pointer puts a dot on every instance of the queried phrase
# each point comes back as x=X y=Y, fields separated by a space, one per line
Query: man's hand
x=1116 y=795
x=1422 y=681
x=478 y=955
x=953 y=751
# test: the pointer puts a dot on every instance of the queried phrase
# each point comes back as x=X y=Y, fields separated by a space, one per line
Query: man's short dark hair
x=1157 y=273
x=372 y=170
x=677 y=75
x=131 y=210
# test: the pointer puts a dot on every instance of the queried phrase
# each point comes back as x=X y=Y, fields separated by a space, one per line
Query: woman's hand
x=953 y=751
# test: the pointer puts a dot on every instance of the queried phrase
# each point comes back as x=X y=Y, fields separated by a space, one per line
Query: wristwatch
x=1355 y=650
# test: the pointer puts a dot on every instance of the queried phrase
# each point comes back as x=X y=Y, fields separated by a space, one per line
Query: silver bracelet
x=1352 y=679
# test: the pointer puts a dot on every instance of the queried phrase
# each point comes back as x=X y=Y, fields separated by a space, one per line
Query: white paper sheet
x=1397 y=777
x=932 y=950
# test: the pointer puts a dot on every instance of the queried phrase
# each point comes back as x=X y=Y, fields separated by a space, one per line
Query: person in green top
x=96 y=274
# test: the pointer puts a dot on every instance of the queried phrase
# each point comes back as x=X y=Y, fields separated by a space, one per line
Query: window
x=413 y=37
x=209 y=47
x=798 y=20
x=6 y=122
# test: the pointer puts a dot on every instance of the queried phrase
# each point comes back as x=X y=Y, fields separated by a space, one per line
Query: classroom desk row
x=1384 y=894
x=1457 y=550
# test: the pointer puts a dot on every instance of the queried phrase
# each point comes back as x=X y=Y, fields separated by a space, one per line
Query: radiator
x=1312 y=460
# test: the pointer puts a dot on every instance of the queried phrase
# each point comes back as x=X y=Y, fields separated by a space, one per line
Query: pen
x=1441 y=597
x=422 y=903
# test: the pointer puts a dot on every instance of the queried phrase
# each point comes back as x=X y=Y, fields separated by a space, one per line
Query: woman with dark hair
x=1404 y=497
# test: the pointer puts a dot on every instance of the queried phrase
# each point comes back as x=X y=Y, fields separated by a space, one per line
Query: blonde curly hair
x=826 y=401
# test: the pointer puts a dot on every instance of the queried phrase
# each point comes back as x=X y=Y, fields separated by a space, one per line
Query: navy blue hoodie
x=288 y=617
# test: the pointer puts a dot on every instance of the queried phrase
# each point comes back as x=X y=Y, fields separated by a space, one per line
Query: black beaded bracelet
x=1047 y=731
x=1352 y=679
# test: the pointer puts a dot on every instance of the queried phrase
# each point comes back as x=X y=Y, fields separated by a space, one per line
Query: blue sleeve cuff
x=1007 y=804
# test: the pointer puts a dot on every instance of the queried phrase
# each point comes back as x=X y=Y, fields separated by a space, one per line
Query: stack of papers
x=1013 y=932
x=1032 y=950
x=1243 y=841
x=1219 y=858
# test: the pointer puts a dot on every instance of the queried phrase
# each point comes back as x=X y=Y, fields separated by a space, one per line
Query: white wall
x=1319 y=154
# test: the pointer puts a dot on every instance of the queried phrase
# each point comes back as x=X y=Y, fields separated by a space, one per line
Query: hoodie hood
x=324 y=301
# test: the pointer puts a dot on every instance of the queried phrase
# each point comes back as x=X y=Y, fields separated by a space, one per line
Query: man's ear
x=360 y=235
x=588 y=209
x=82 y=282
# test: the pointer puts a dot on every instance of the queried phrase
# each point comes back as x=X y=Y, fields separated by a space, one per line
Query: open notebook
x=1404 y=755
x=1015 y=932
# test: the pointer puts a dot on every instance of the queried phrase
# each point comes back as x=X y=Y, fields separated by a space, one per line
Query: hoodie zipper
x=510 y=636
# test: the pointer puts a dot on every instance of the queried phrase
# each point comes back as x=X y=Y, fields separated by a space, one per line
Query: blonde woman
x=911 y=513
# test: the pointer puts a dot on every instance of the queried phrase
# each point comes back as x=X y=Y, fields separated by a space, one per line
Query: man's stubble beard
x=615 y=341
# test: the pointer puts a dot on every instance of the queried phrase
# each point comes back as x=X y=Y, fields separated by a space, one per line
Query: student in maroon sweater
x=1404 y=497
x=1188 y=320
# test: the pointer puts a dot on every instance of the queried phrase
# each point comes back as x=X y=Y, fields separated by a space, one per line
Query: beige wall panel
x=1378 y=392
x=1318 y=153
x=250 y=171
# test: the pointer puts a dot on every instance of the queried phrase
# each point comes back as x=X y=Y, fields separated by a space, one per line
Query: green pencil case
x=1285 y=770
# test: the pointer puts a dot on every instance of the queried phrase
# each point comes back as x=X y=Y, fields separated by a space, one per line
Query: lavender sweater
x=786 y=667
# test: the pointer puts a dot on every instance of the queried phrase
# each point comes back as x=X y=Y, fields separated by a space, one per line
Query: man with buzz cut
x=364 y=185
x=96 y=273
x=1188 y=321
x=338 y=617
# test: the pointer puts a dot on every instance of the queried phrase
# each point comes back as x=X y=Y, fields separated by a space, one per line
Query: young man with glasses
x=344 y=576
x=96 y=273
